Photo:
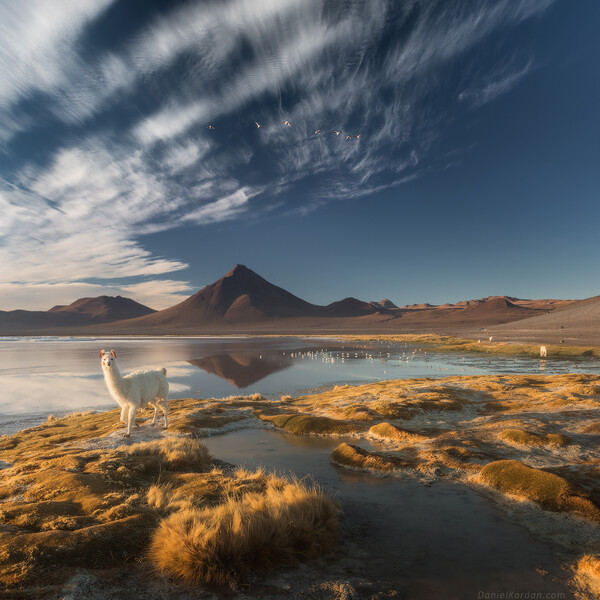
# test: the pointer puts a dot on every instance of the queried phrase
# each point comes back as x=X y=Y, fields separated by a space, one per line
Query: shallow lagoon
x=48 y=375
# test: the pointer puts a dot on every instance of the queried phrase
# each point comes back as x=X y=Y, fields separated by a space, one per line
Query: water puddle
x=444 y=541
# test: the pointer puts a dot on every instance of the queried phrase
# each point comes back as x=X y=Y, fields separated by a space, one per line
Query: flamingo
x=317 y=131
x=337 y=132
x=258 y=125
x=287 y=123
x=210 y=127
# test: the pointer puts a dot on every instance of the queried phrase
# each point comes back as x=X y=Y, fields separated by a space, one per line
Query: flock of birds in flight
x=317 y=131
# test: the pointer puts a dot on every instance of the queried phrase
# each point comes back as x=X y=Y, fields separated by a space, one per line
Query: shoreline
x=434 y=341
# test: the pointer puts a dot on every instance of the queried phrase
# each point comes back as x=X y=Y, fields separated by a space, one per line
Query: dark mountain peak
x=244 y=278
x=386 y=303
x=240 y=271
x=243 y=295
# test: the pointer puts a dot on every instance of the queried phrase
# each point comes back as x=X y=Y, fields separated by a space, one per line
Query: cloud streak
x=502 y=82
x=133 y=155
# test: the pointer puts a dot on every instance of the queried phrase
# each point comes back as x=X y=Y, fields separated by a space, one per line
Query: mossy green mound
x=529 y=438
x=306 y=424
x=550 y=491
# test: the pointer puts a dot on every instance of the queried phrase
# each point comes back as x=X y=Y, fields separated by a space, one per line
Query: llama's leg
x=155 y=414
x=124 y=414
x=131 y=419
x=165 y=408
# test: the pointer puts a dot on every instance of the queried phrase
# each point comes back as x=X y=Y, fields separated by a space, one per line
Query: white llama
x=135 y=390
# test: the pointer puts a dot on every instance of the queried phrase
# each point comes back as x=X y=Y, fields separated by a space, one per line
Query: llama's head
x=108 y=358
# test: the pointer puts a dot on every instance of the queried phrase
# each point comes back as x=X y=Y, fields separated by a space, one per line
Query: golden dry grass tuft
x=593 y=428
x=176 y=453
x=586 y=579
x=387 y=431
x=530 y=438
x=349 y=455
x=221 y=544
x=550 y=491
x=356 y=412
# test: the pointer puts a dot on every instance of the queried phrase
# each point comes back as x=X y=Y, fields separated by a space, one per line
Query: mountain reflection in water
x=243 y=368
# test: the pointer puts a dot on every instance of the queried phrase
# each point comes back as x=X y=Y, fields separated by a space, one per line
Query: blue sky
x=475 y=173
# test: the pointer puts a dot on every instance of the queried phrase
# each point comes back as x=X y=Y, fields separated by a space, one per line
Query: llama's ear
x=102 y=352
x=113 y=353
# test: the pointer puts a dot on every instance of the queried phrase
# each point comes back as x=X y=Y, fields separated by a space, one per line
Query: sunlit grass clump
x=549 y=491
x=529 y=438
x=587 y=577
x=177 y=454
x=387 y=431
x=348 y=455
x=221 y=544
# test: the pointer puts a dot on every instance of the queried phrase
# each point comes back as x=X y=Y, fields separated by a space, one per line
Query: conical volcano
x=240 y=296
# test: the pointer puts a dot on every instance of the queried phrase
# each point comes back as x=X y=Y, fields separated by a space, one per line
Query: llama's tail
x=164 y=371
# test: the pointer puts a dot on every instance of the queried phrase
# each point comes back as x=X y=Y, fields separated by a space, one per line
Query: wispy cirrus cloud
x=39 y=52
x=500 y=82
x=223 y=209
x=135 y=156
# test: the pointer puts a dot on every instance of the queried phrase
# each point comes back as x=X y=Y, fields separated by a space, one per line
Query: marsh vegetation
x=73 y=496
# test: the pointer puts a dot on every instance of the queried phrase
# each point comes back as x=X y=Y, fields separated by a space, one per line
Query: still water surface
x=438 y=542
x=44 y=375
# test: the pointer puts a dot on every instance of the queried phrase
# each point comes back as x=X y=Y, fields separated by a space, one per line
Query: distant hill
x=385 y=303
x=492 y=311
x=81 y=313
x=575 y=322
x=349 y=307
x=419 y=306
x=103 y=309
